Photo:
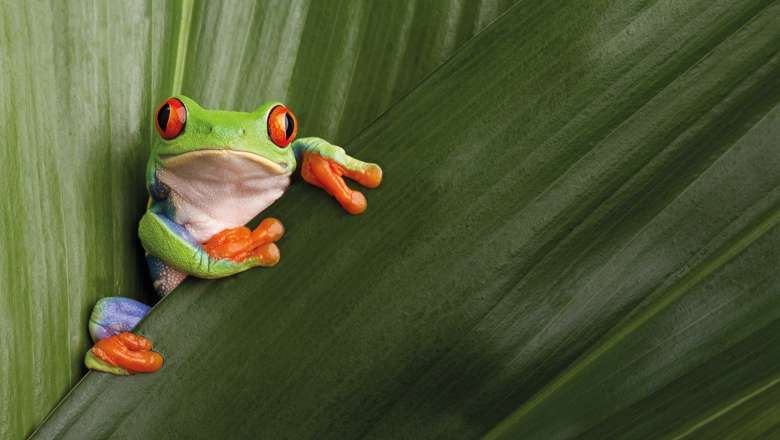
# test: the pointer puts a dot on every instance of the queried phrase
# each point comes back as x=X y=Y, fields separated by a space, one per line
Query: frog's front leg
x=163 y=239
x=324 y=165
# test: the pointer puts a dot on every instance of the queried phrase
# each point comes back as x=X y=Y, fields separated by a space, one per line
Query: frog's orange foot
x=239 y=244
x=327 y=174
x=123 y=354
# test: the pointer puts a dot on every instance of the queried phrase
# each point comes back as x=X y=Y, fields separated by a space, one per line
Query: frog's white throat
x=213 y=190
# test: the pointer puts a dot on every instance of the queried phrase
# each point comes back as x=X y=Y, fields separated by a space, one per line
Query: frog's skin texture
x=209 y=173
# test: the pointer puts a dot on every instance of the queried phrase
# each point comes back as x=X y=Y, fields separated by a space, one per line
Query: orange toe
x=269 y=230
x=267 y=255
x=370 y=177
x=356 y=204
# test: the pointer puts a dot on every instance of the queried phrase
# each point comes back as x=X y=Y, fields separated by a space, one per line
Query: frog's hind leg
x=114 y=315
x=164 y=277
x=117 y=350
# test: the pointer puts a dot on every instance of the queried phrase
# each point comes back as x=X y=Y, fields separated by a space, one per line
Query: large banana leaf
x=576 y=237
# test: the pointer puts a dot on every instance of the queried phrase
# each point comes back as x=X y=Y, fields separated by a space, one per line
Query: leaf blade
x=498 y=281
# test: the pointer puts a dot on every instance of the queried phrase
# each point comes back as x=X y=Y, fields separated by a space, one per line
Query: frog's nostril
x=243 y=131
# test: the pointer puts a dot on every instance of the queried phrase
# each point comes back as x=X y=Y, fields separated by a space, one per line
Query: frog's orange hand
x=240 y=244
x=128 y=351
x=327 y=174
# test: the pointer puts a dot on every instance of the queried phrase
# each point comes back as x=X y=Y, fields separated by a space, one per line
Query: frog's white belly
x=217 y=190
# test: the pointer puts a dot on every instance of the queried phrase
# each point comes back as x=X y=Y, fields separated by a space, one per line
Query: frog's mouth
x=219 y=155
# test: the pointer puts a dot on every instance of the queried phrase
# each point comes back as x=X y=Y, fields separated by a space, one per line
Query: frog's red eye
x=171 y=118
x=282 y=126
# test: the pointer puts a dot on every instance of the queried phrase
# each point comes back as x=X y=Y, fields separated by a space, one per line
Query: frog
x=209 y=173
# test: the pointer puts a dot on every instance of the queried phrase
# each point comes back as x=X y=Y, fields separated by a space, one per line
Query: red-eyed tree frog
x=209 y=173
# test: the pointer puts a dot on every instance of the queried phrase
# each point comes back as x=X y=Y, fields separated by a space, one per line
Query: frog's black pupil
x=162 y=116
x=290 y=125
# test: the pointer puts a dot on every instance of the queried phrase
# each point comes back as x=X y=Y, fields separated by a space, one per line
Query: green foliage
x=78 y=82
x=576 y=236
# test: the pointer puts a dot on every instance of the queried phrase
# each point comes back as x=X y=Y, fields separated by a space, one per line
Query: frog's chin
x=175 y=161
x=212 y=190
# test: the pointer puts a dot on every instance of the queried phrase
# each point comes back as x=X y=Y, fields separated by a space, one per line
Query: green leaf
x=577 y=236
x=75 y=91
x=78 y=81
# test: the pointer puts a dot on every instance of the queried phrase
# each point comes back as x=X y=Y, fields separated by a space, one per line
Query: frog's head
x=218 y=169
x=189 y=135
